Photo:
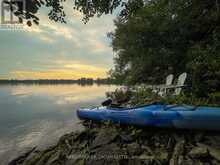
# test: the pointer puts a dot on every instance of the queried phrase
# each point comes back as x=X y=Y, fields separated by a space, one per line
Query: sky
x=58 y=51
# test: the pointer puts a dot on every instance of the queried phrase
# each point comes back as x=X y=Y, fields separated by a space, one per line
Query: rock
x=213 y=140
x=79 y=162
x=45 y=157
x=104 y=137
x=31 y=156
x=134 y=162
x=34 y=159
x=178 y=151
x=126 y=138
x=76 y=158
x=199 y=152
x=159 y=155
x=214 y=152
x=53 y=158
x=215 y=162
x=146 y=158
x=147 y=149
x=41 y=157
x=23 y=157
x=134 y=149
x=170 y=144
x=180 y=160
x=107 y=154
x=199 y=137
x=178 y=137
x=68 y=144
x=163 y=156
x=187 y=161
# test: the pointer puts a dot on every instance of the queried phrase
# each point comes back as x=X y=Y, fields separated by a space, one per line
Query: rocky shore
x=106 y=143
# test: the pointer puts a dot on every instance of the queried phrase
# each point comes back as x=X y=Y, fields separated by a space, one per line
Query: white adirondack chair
x=169 y=81
x=180 y=83
x=160 y=89
x=177 y=87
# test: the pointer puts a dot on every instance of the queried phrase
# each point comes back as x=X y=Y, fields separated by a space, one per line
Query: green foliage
x=204 y=65
x=56 y=10
x=214 y=97
x=143 y=96
x=119 y=95
x=89 y=9
x=169 y=36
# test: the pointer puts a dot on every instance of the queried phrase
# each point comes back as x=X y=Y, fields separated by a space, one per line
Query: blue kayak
x=158 y=115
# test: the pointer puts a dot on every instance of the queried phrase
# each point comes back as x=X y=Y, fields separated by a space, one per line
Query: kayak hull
x=158 y=115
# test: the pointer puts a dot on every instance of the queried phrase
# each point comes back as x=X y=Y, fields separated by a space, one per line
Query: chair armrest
x=175 y=86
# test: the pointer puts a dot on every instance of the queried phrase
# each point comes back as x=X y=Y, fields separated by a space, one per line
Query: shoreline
x=115 y=144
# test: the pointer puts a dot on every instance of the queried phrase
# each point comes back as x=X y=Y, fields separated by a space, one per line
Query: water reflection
x=37 y=115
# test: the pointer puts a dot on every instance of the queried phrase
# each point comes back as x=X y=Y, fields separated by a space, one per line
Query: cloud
x=33 y=29
x=69 y=70
x=51 y=32
x=82 y=67
x=47 y=39
x=78 y=48
x=58 y=30
x=97 y=46
x=90 y=36
x=77 y=65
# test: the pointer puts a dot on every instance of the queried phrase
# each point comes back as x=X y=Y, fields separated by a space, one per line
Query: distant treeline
x=81 y=81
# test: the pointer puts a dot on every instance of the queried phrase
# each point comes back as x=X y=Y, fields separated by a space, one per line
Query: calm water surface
x=37 y=115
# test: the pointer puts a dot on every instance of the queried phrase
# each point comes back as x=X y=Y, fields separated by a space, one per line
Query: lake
x=37 y=115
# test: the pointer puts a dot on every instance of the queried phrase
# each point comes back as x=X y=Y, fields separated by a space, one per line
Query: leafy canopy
x=169 y=36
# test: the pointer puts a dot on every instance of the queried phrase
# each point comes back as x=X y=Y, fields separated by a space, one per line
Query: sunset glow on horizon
x=57 y=74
